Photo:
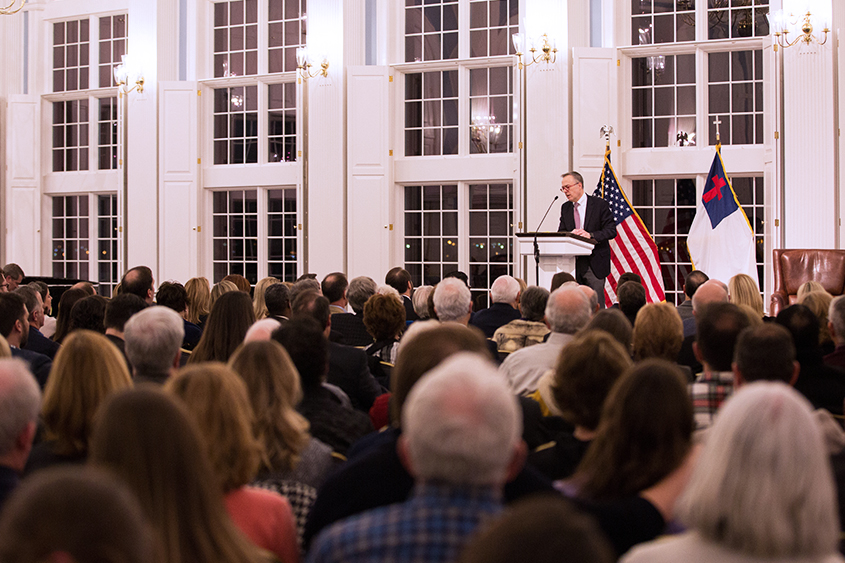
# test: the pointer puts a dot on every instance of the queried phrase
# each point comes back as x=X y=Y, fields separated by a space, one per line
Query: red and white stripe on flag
x=633 y=250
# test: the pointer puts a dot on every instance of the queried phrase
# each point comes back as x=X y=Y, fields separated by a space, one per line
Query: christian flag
x=633 y=249
x=721 y=241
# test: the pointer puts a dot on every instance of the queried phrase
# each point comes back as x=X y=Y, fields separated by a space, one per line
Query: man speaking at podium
x=588 y=216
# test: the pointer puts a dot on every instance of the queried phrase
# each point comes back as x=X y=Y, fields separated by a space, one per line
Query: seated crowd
x=345 y=421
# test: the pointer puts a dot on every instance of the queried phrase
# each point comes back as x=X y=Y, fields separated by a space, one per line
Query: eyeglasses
x=568 y=187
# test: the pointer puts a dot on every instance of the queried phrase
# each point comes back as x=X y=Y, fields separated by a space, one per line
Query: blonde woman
x=743 y=290
x=217 y=401
x=258 y=297
x=87 y=369
x=219 y=289
x=199 y=300
x=819 y=303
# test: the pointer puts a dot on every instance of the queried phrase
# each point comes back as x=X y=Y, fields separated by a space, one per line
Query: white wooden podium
x=557 y=253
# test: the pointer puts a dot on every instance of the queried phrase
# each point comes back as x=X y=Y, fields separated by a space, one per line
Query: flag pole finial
x=606 y=132
x=718 y=122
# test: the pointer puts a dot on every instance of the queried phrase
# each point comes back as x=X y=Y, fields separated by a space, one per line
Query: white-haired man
x=20 y=402
x=504 y=296
x=567 y=311
x=461 y=442
x=153 y=340
x=452 y=301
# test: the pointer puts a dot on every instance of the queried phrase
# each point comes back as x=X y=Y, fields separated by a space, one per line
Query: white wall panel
x=594 y=95
x=369 y=195
x=178 y=226
x=23 y=210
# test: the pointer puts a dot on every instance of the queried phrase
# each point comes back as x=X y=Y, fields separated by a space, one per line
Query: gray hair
x=153 y=338
x=504 y=290
x=388 y=290
x=360 y=289
x=836 y=315
x=305 y=285
x=452 y=300
x=568 y=310
x=20 y=401
x=763 y=484
x=420 y=300
x=533 y=302
x=591 y=295
x=261 y=330
x=461 y=423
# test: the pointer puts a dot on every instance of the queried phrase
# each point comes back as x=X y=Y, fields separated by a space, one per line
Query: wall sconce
x=12 y=8
x=547 y=53
x=781 y=23
x=127 y=72
x=303 y=65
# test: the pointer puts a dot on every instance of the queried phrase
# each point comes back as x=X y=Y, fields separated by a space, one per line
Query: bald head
x=711 y=291
x=592 y=296
x=567 y=310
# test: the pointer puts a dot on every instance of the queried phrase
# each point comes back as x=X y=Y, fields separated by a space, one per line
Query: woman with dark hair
x=645 y=433
x=152 y=443
x=384 y=317
x=240 y=282
x=230 y=318
x=89 y=313
x=217 y=400
x=88 y=368
x=66 y=303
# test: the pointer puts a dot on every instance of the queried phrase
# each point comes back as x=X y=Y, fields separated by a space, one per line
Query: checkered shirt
x=432 y=526
x=708 y=392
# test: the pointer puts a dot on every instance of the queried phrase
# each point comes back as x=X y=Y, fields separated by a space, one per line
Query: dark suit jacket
x=410 y=314
x=352 y=328
x=494 y=316
x=37 y=342
x=348 y=369
x=600 y=224
x=39 y=364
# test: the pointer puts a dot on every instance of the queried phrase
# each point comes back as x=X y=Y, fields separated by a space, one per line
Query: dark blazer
x=600 y=224
x=352 y=328
x=37 y=342
x=349 y=370
x=494 y=316
x=410 y=314
x=39 y=364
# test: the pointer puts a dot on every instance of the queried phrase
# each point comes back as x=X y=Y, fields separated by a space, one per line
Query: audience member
x=152 y=444
x=400 y=280
x=20 y=403
x=258 y=304
x=384 y=318
x=219 y=289
x=14 y=276
x=659 y=333
x=240 y=282
x=743 y=290
x=199 y=300
x=719 y=326
x=711 y=291
x=302 y=285
x=14 y=327
x=88 y=313
x=230 y=318
x=5 y=350
x=836 y=327
x=559 y=279
x=504 y=296
x=87 y=370
x=543 y=529
x=765 y=353
x=217 y=400
x=49 y=327
x=351 y=325
x=348 y=368
x=420 y=301
x=819 y=303
x=119 y=310
x=807 y=287
x=76 y=515
x=138 y=281
x=567 y=311
x=631 y=296
x=153 y=337
x=63 y=320
x=35 y=341
x=616 y=324
x=588 y=367
x=823 y=385
x=690 y=285
x=461 y=442
x=331 y=421
x=277 y=301
x=452 y=301
x=175 y=296
x=762 y=489
x=528 y=330
x=334 y=288
x=262 y=330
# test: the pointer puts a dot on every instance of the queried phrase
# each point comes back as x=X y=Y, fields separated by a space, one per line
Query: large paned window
x=80 y=107
x=437 y=242
x=286 y=33
x=242 y=220
x=431 y=113
x=737 y=18
x=73 y=239
x=662 y=21
x=431 y=30
x=735 y=82
x=663 y=101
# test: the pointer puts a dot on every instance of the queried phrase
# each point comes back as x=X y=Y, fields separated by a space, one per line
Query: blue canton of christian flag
x=633 y=249
x=721 y=243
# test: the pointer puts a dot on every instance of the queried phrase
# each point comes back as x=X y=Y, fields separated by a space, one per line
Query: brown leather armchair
x=794 y=267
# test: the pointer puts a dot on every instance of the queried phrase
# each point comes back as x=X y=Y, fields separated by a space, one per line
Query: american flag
x=633 y=249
